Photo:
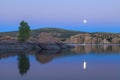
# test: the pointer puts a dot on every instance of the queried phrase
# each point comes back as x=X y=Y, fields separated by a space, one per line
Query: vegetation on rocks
x=24 y=31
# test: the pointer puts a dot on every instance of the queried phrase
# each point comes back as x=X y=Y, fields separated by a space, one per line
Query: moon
x=84 y=21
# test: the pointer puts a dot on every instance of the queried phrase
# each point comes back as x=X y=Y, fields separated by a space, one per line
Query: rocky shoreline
x=44 y=42
x=33 y=46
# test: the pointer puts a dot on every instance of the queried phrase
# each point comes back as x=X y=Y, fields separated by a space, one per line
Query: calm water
x=84 y=62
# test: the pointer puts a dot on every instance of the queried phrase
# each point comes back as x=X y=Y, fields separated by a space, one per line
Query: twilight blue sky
x=102 y=15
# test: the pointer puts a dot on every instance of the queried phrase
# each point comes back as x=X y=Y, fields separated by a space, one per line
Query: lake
x=84 y=62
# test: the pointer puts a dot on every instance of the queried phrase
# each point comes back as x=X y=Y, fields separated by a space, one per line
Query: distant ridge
x=56 y=32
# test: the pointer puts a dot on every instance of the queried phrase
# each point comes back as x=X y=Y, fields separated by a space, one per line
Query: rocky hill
x=70 y=36
x=55 y=32
x=95 y=38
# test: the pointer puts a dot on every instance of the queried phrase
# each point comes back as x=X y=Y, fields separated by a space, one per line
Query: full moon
x=84 y=21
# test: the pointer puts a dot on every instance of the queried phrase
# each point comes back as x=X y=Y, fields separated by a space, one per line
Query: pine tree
x=24 y=31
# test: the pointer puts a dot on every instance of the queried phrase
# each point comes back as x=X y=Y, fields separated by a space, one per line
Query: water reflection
x=44 y=57
x=84 y=65
x=23 y=63
x=96 y=49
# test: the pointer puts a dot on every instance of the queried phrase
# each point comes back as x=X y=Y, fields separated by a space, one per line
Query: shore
x=33 y=46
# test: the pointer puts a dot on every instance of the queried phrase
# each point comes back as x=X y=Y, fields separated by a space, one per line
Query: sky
x=101 y=15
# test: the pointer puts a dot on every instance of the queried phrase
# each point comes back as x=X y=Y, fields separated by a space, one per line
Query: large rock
x=46 y=41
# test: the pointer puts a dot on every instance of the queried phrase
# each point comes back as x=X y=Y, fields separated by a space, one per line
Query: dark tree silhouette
x=23 y=64
x=24 y=31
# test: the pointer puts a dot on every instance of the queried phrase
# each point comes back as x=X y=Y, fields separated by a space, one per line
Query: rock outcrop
x=48 y=42
x=95 y=38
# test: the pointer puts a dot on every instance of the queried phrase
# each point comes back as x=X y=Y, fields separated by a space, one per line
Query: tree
x=24 y=31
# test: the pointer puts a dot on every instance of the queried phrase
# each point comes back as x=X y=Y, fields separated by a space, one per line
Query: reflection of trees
x=10 y=53
x=23 y=64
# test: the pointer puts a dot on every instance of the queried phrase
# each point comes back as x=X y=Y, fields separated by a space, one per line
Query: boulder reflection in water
x=46 y=56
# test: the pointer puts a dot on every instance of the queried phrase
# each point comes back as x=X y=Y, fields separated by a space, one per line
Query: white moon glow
x=84 y=21
x=84 y=65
